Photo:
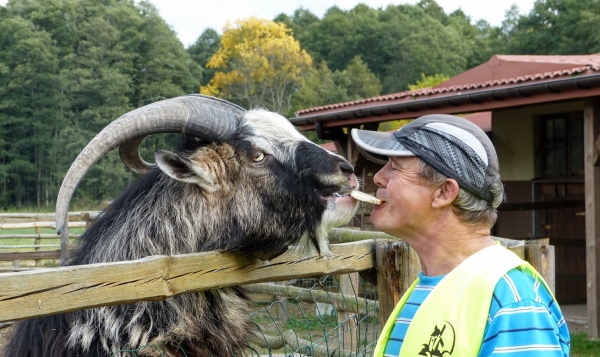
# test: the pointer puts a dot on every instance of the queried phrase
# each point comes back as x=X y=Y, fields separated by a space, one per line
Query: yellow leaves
x=256 y=57
x=246 y=36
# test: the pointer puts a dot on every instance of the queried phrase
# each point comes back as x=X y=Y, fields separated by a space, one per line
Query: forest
x=70 y=67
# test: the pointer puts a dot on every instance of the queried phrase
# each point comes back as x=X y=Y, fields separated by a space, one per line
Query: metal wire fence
x=331 y=316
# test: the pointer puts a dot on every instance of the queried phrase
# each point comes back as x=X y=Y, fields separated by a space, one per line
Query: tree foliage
x=553 y=27
x=67 y=69
x=324 y=86
x=203 y=49
x=259 y=63
x=428 y=81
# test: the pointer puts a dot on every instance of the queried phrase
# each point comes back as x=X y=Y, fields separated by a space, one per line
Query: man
x=441 y=187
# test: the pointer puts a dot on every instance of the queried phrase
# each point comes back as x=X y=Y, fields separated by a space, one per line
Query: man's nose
x=380 y=177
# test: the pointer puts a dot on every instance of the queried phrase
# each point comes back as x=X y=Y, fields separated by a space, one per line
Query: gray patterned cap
x=452 y=145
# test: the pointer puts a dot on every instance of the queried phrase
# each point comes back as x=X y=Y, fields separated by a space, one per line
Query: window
x=562 y=145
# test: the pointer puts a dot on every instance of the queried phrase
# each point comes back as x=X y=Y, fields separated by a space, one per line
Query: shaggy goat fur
x=257 y=194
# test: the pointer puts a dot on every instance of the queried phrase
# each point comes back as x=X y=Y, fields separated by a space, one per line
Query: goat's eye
x=260 y=156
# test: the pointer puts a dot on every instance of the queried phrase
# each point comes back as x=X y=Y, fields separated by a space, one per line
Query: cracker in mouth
x=365 y=197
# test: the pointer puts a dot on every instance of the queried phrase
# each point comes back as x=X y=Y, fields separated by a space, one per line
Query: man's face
x=407 y=195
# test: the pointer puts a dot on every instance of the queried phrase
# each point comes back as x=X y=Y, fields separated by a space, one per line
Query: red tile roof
x=500 y=70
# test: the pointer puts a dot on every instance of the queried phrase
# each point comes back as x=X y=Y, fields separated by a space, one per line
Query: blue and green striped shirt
x=524 y=320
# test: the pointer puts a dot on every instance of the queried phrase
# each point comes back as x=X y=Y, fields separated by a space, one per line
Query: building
x=545 y=122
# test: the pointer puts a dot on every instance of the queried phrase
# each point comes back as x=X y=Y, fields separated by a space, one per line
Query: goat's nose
x=346 y=167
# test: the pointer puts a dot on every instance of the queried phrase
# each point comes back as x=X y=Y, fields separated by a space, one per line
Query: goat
x=243 y=181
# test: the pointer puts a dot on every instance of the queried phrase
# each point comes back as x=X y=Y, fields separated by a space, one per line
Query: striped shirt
x=523 y=321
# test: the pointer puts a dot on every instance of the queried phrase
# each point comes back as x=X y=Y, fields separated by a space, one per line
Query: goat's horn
x=194 y=115
x=130 y=155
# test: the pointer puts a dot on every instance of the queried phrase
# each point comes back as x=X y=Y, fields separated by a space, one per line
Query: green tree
x=556 y=27
x=362 y=82
x=68 y=68
x=203 y=49
x=28 y=120
x=163 y=68
x=474 y=36
x=322 y=86
x=428 y=48
x=397 y=43
x=428 y=81
x=301 y=23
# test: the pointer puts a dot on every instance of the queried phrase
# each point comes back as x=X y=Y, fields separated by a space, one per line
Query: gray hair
x=470 y=208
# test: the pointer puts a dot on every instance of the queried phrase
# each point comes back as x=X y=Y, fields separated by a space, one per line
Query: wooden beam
x=341 y=302
x=40 y=225
x=596 y=158
x=41 y=254
x=591 y=130
x=397 y=267
x=541 y=257
x=51 y=291
x=529 y=206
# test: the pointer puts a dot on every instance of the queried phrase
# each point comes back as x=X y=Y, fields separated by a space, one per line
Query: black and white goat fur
x=245 y=181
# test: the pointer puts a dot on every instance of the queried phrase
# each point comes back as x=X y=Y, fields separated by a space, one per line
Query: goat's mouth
x=340 y=192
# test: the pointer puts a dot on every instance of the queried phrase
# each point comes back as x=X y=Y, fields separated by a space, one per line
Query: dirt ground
x=575 y=327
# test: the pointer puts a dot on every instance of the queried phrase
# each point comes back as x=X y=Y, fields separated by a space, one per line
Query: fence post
x=282 y=307
x=397 y=268
x=85 y=216
x=349 y=289
x=541 y=257
x=37 y=241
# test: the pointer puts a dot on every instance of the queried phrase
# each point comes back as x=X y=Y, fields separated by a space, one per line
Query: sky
x=189 y=18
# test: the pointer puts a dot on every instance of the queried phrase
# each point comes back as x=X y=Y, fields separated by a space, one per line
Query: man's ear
x=445 y=194
x=183 y=169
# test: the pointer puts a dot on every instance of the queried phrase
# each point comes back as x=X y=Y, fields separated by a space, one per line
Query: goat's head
x=274 y=186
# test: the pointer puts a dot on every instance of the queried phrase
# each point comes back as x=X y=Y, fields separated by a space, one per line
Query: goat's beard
x=337 y=213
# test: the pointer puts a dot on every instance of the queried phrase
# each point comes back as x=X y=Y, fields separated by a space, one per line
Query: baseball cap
x=452 y=145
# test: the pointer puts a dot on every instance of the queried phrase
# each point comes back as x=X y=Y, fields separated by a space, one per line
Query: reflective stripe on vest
x=452 y=319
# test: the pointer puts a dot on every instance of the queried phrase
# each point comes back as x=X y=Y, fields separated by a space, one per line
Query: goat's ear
x=183 y=169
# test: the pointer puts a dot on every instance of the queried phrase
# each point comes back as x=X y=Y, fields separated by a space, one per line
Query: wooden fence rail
x=36 y=221
x=36 y=236
x=35 y=217
x=40 y=225
x=50 y=291
x=341 y=302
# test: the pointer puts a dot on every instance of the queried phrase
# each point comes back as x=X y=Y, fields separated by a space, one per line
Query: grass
x=7 y=239
x=581 y=346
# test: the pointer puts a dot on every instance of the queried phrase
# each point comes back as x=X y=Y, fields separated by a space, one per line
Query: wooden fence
x=36 y=221
x=392 y=263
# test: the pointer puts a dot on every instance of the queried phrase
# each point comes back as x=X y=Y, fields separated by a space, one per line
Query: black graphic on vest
x=441 y=342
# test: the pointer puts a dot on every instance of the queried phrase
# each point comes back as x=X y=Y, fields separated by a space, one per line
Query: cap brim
x=378 y=146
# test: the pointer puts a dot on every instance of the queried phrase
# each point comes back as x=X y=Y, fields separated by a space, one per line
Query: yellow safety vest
x=451 y=321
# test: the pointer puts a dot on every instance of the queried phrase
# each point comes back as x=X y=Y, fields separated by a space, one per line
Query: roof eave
x=455 y=102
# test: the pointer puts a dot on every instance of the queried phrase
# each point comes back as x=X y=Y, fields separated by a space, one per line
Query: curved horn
x=130 y=155
x=195 y=115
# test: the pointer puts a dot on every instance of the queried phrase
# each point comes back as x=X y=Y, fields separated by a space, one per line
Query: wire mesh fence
x=334 y=316
x=318 y=318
